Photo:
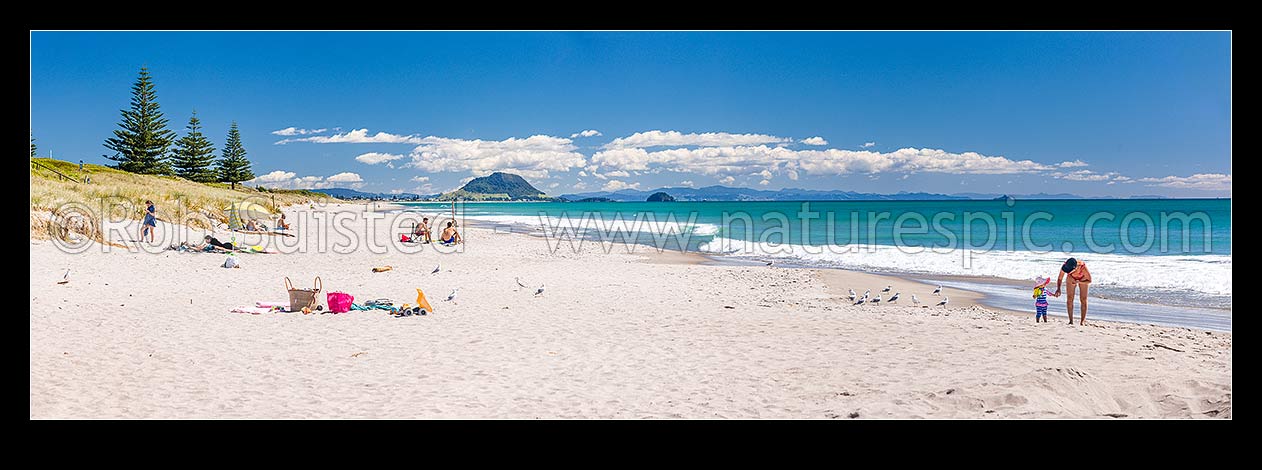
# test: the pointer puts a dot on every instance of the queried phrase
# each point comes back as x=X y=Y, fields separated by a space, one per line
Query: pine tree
x=233 y=167
x=194 y=156
x=141 y=144
x=32 y=145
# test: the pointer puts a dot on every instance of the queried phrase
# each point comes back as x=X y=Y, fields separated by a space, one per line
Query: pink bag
x=340 y=302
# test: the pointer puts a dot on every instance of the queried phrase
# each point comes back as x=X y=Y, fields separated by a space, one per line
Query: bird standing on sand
x=886 y=289
x=914 y=300
x=944 y=301
x=436 y=269
x=894 y=298
x=451 y=297
x=877 y=300
x=861 y=301
x=938 y=290
x=539 y=291
x=866 y=293
x=852 y=295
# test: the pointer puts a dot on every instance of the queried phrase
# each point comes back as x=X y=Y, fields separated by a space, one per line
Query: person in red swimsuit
x=1080 y=279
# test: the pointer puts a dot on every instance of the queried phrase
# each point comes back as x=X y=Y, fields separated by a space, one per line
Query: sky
x=1090 y=113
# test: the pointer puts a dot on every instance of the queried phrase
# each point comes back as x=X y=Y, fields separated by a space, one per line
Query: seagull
x=861 y=301
x=914 y=300
x=944 y=301
x=519 y=284
x=886 y=289
x=938 y=290
x=436 y=269
x=539 y=291
x=877 y=300
x=852 y=295
x=452 y=296
x=894 y=298
x=866 y=293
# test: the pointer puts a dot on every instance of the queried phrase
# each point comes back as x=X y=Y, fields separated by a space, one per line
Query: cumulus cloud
x=739 y=160
x=869 y=144
x=419 y=179
x=1073 y=164
x=615 y=185
x=345 y=177
x=297 y=131
x=687 y=183
x=1201 y=181
x=817 y=140
x=531 y=157
x=1088 y=175
x=580 y=185
x=586 y=133
x=357 y=136
x=617 y=174
x=727 y=180
x=281 y=179
x=553 y=185
x=764 y=182
x=276 y=176
x=678 y=139
x=373 y=158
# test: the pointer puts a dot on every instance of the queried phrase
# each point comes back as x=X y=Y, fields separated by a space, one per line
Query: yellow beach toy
x=421 y=302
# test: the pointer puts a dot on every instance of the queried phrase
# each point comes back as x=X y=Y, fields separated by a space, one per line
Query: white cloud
x=276 y=176
x=373 y=158
x=281 y=179
x=344 y=177
x=531 y=157
x=1202 y=181
x=419 y=179
x=586 y=133
x=687 y=183
x=615 y=185
x=727 y=180
x=793 y=174
x=677 y=139
x=297 y=131
x=553 y=185
x=774 y=160
x=1073 y=164
x=764 y=182
x=357 y=136
x=817 y=140
x=869 y=144
x=580 y=185
x=617 y=174
x=582 y=173
x=396 y=191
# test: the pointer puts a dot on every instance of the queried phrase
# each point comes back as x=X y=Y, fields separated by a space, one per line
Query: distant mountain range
x=344 y=193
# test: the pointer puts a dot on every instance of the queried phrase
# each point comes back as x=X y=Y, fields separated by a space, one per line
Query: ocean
x=1157 y=253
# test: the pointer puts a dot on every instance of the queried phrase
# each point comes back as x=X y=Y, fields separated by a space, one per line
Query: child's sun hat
x=1041 y=281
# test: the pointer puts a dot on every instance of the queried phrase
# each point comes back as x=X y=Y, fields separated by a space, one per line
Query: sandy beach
x=614 y=335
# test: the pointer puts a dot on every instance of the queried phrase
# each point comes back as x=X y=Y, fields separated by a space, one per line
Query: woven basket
x=299 y=298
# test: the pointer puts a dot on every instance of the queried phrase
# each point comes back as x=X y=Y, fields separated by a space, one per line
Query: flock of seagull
x=452 y=296
x=868 y=299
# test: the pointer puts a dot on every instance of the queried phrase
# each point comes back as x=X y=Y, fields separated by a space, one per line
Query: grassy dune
x=79 y=208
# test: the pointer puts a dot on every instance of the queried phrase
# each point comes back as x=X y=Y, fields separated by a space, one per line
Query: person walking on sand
x=1079 y=278
x=150 y=224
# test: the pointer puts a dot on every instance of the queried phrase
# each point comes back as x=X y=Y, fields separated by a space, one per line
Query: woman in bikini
x=1079 y=278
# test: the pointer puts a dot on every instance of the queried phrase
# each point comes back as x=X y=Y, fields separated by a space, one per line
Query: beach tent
x=238 y=212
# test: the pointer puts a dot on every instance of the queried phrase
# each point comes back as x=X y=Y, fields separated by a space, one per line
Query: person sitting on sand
x=251 y=226
x=1079 y=278
x=281 y=224
x=422 y=233
x=450 y=236
x=150 y=224
x=213 y=244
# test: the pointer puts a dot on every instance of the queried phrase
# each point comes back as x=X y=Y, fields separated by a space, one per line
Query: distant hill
x=723 y=193
x=660 y=197
x=998 y=196
x=345 y=193
x=498 y=187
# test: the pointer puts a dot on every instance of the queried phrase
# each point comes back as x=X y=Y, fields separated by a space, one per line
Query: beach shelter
x=238 y=212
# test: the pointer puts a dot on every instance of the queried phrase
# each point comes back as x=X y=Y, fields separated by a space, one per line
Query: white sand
x=140 y=335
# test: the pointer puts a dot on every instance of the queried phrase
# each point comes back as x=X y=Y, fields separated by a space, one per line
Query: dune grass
x=118 y=195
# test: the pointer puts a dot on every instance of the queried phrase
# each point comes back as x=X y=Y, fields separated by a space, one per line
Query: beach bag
x=340 y=302
x=300 y=298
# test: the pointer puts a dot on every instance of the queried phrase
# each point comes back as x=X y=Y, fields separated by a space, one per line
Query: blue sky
x=1089 y=113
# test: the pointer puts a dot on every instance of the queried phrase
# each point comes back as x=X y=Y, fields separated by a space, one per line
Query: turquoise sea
x=1152 y=253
